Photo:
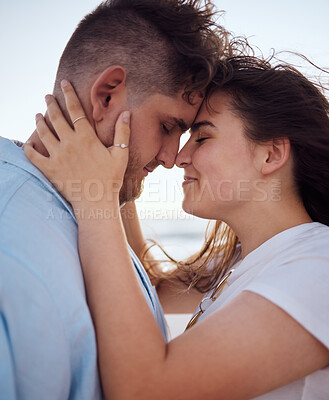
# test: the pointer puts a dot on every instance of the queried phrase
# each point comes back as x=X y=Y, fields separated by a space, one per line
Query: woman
x=257 y=159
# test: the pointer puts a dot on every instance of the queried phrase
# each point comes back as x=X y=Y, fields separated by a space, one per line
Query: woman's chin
x=198 y=210
x=187 y=207
x=191 y=209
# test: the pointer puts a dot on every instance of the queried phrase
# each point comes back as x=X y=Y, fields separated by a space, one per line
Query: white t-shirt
x=292 y=271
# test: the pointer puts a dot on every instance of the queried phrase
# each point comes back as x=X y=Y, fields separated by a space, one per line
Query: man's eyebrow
x=179 y=122
x=195 y=127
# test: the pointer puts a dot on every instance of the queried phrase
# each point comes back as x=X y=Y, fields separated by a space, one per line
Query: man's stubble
x=132 y=186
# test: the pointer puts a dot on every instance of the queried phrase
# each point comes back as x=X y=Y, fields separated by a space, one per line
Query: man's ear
x=108 y=91
x=274 y=156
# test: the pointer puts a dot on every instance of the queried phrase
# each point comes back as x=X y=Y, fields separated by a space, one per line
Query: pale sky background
x=33 y=35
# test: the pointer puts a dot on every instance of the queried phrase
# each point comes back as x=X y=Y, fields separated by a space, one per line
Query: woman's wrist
x=96 y=210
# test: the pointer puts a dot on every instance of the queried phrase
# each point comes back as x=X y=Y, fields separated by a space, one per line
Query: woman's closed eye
x=200 y=140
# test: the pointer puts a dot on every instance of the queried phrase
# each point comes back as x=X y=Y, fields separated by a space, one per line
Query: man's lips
x=150 y=167
x=147 y=170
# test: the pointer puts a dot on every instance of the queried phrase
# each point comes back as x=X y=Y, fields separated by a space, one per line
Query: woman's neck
x=267 y=220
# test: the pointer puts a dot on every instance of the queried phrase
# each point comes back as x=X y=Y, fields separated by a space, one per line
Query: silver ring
x=77 y=119
x=122 y=146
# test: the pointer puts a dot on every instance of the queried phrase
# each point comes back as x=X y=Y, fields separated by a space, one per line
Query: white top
x=292 y=271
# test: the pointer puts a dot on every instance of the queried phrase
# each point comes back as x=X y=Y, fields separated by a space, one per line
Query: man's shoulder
x=24 y=198
x=24 y=188
x=37 y=227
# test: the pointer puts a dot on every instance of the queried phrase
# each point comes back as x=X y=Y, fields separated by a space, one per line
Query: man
x=153 y=58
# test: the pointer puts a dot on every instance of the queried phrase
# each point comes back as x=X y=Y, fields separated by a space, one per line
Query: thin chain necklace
x=214 y=296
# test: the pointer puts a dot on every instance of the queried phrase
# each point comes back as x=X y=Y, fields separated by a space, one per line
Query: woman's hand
x=79 y=165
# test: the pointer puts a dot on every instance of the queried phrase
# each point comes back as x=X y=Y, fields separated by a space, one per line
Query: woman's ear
x=108 y=91
x=273 y=155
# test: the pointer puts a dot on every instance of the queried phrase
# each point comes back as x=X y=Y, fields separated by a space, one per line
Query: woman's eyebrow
x=196 y=126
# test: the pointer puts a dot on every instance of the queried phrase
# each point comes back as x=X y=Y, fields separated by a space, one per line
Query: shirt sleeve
x=300 y=287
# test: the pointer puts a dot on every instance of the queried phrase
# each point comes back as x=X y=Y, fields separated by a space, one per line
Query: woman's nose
x=183 y=158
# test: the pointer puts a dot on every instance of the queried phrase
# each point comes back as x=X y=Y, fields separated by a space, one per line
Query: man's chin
x=131 y=189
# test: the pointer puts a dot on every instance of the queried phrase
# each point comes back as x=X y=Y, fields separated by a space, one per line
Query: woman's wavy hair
x=273 y=102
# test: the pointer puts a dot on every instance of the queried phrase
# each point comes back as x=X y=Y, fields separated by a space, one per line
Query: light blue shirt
x=47 y=339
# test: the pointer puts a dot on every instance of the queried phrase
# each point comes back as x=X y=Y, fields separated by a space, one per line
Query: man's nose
x=168 y=151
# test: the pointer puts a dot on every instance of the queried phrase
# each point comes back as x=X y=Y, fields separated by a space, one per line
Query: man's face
x=156 y=127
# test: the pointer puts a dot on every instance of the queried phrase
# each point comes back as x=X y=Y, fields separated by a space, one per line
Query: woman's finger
x=46 y=136
x=74 y=107
x=56 y=117
x=120 y=148
x=122 y=131
x=34 y=156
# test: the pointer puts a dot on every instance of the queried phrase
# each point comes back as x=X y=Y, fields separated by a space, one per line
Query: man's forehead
x=177 y=110
x=202 y=109
x=185 y=115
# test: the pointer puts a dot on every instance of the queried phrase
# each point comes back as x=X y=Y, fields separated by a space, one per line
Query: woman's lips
x=188 y=180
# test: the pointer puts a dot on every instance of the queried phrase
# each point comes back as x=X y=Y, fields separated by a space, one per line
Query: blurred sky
x=33 y=35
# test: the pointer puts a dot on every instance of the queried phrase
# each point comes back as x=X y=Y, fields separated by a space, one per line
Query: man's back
x=47 y=339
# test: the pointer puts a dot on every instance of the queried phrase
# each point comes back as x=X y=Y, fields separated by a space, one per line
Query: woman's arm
x=173 y=294
x=133 y=229
x=246 y=348
x=137 y=241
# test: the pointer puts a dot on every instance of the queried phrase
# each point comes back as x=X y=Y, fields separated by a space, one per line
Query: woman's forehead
x=217 y=104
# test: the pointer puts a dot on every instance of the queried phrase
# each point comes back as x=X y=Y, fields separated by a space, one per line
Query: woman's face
x=220 y=172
